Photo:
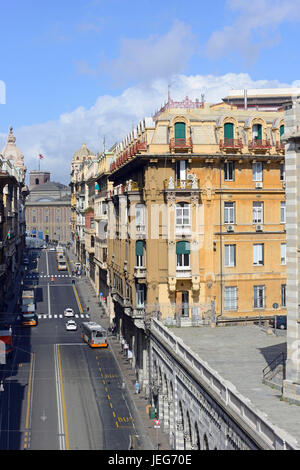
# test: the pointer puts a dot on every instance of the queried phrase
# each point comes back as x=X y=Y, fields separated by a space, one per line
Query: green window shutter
x=183 y=248
x=281 y=130
x=259 y=132
x=139 y=248
x=228 y=130
x=179 y=130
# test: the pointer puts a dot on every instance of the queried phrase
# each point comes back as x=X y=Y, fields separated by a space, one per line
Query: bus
x=29 y=317
x=94 y=335
x=62 y=265
x=59 y=251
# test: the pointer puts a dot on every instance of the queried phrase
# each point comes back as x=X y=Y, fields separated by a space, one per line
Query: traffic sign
x=275 y=305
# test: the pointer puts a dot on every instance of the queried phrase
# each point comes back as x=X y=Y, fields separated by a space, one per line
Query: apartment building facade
x=13 y=193
x=196 y=218
x=89 y=185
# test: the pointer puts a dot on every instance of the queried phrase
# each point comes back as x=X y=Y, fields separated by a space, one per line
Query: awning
x=183 y=248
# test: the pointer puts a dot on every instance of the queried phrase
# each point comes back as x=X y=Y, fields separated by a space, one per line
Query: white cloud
x=255 y=27
x=153 y=57
x=114 y=116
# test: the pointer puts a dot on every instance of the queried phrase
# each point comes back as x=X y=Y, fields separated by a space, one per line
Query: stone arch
x=187 y=432
x=205 y=443
x=171 y=412
x=176 y=120
x=196 y=438
x=255 y=124
x=180 y=428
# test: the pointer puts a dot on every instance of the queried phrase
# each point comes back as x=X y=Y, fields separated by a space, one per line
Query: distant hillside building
x=48 y=209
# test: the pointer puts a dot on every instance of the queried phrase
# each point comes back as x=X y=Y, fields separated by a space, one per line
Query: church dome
x=12 y=152
x=82 y=154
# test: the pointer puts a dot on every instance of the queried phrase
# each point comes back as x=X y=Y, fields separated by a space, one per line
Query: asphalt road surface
x=59 y=394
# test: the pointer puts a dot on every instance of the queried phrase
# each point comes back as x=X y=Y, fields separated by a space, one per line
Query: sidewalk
x=148 y=437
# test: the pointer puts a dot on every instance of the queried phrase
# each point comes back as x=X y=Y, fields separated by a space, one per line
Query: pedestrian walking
x=137 y=387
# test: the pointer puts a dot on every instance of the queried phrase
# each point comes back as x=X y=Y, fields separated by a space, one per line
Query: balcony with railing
x=140 y=272
x=181 y=144
x=259 y=145
x=230 y=144
x=131 y=151
x=192 y=183
x=183 y=272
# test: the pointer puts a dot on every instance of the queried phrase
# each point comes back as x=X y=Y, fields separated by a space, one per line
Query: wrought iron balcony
x=259 y=144
x=231 y=144
x=181 y=144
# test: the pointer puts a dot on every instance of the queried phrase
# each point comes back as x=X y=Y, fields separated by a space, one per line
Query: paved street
x=65 y=395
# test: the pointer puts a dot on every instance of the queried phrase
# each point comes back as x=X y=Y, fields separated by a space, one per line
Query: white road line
x=47 y=262
x=61 y=430
x=49 y=305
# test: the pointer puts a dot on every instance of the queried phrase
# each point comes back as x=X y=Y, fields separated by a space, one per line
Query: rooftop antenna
x=169 y=93
x=104 y=144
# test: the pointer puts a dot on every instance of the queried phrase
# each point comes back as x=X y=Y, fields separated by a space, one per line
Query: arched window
x=281 y=130
x=257 y=132
x=179 y=130
x=37 y=181
x=228 y=131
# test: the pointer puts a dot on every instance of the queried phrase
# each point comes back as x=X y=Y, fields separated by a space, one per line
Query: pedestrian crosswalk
x=46 y=316
x=35 y=275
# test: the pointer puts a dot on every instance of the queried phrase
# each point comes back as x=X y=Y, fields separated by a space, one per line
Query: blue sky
x=77 y=70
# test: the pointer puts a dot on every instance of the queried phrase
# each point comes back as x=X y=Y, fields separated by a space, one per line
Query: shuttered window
x=179 y=129
x=139 y=248
x=228 y=130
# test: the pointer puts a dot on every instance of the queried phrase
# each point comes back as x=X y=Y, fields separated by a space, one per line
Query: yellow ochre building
x=196 y=216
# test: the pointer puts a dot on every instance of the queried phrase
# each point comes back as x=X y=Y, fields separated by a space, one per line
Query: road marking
x=49 y=306
x=77 y=299
x=61 y=406
x=47 y=263
x=29 y=396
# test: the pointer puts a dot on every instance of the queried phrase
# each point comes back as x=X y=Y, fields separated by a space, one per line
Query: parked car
x=71 y=325
x=280 y=322
x=69 y=312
